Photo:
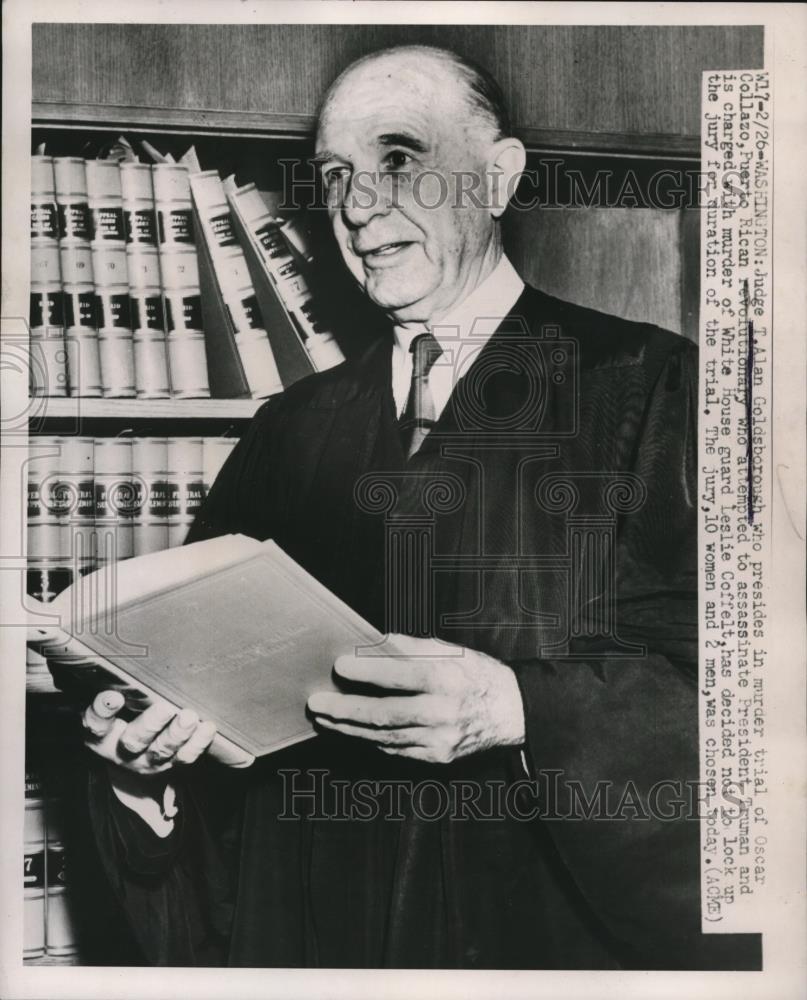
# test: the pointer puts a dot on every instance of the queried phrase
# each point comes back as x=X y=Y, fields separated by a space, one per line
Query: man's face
x=392 y=141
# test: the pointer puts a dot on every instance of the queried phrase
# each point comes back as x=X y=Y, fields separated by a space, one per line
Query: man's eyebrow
x=405 y=139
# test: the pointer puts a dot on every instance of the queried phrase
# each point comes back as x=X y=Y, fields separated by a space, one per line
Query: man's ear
x=506 y=161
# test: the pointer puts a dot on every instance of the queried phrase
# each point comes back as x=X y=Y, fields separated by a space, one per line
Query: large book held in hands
x=230 y=627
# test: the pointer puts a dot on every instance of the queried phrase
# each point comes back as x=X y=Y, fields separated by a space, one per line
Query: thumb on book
x=107 y=704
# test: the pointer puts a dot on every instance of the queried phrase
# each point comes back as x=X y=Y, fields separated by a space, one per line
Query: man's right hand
x=153 y=743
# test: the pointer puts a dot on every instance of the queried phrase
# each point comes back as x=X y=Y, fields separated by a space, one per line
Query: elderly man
x=544 y=456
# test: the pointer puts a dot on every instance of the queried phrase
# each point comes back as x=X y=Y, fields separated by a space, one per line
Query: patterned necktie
x=419 y=414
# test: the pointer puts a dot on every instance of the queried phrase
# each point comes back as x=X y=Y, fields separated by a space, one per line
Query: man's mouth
x=384 y=251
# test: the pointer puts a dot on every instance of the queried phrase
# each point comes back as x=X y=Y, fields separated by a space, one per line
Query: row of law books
x=94 y=500
x=48 y=924
x=158 y=280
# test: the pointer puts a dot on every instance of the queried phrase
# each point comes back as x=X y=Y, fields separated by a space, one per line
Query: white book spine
x=235 y=284
x=48 y=358
x=179 y=270
x=267 y=235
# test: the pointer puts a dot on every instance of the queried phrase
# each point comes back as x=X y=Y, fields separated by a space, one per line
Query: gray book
x=231 y=627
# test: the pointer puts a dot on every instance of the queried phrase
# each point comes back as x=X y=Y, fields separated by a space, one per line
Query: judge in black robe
x=552 y=508
x=577 y=446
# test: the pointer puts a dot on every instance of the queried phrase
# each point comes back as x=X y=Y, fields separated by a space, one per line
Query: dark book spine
x=60 y=933
x=33 y=869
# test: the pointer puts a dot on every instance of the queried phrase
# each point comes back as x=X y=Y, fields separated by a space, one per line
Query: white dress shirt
x=461 y=334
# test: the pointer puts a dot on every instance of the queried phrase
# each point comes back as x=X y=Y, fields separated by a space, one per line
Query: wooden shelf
x=144 y=409
x=50 y=960
x=273 y=125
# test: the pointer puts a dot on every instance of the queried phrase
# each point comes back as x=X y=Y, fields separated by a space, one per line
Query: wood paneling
x=625 y=261
x=607 y=80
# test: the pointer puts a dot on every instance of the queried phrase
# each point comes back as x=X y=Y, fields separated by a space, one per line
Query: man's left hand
x=436 y=701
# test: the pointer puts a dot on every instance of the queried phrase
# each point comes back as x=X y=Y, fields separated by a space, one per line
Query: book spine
x=186 y=478
x=114 y=499
x=60 y=934
x=111 y=275
x=215 y=451
x=235 y=285
x=78 y=284
x=179 y=268
x=50 y=566
x=152 y=494
x=268 y=237
x=48 y=358
x=143 y=262
x=76 y=478
x=33 y=872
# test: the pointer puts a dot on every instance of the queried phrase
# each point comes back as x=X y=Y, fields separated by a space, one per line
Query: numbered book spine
x=179 y=268
x=265 y=236
x=234 y=284
x=152 y=494
x=186 y=478
x=215 y=452
x=110 y=271
x=78 y=283
x=114 y=499
x=143 y=262
x=48 y=357
x=33 y=871
x=60 y=933
x=50 y=566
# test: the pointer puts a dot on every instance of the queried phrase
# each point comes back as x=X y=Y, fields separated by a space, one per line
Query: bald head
x=473 y=89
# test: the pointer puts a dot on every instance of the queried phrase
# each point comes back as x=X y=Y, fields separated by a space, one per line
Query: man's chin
x=401 y=304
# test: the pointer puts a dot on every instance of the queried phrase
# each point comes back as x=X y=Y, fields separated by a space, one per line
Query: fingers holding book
x=152 y=743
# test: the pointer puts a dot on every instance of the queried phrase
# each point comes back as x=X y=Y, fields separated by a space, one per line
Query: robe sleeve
x=176 y=891
x=619 y=736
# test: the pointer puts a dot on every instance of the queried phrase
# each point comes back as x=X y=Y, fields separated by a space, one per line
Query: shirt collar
x=477 y=316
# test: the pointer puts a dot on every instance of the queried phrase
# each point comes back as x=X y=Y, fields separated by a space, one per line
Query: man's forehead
x=390 y=94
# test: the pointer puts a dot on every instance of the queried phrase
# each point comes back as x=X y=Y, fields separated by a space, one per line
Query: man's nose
x=368 y=194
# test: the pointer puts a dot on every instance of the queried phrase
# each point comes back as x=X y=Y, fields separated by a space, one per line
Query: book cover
x=231 y=627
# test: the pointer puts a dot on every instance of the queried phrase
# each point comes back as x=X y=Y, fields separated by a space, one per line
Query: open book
x=231 y=627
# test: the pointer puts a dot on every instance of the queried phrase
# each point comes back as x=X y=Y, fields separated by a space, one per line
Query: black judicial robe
x=563 y=473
